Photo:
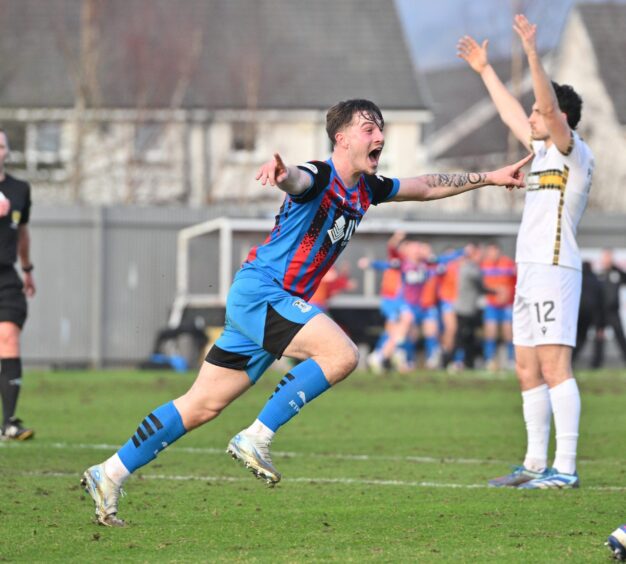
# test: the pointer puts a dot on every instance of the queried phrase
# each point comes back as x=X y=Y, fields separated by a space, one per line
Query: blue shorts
x=390 y=308
x=498 y=314
x=446 y=306
x=431 y=313
x=415 y=310
x=261 y=320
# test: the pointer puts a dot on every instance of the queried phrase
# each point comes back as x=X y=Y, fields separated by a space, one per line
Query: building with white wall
x=179 y=102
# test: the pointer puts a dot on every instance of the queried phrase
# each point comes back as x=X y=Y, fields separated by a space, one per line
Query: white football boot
x=105 y=494
x=255 y=455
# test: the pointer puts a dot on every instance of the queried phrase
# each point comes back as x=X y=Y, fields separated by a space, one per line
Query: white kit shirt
x=557 y=190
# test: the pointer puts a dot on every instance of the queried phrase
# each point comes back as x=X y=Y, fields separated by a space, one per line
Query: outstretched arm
x=547 y=104
x=289 y=179
x=365 y=262
x=511 y=111
x=437 y=186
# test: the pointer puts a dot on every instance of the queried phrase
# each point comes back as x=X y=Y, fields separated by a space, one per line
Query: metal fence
x=106 y=277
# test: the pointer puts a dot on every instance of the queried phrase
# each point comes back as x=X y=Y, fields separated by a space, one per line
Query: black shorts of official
x=13 y=306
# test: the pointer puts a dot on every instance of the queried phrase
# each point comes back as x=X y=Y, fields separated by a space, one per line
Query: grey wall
x=105 y=281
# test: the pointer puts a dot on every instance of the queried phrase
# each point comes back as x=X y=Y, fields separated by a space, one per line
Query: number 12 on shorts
x=545 y=311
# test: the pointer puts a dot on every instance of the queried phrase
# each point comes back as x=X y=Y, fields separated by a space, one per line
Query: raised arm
x=289 y=179
x=511 y=111
x=545 y=98
x=437 y=186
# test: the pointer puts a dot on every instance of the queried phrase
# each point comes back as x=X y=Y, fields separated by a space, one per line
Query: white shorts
x=545 y=311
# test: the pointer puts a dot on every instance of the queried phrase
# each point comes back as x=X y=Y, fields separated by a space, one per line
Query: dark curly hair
x=569 y=102
x=341 y=115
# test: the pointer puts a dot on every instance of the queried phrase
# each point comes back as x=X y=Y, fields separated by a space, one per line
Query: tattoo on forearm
x=456 y=180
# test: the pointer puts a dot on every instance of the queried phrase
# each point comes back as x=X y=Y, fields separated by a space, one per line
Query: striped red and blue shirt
x=313 y=228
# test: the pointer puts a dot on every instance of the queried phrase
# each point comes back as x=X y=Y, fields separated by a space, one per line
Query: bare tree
x=8 y=65
x=141 y=54
x=87 y=94
x=162 y=66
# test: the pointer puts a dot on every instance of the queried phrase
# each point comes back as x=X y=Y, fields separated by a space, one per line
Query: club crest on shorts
x=302 y=305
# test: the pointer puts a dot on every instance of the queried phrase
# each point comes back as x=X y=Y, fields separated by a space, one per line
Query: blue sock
x=409 y=350
x=489 y=349
x=380 y=343
x=301 y=385
x=510 y=349
x=159 y=429
x=431 y=344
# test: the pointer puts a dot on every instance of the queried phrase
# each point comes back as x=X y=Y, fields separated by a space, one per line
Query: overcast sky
x=433 y=26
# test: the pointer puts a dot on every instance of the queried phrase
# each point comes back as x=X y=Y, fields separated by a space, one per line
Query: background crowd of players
x=456 y=308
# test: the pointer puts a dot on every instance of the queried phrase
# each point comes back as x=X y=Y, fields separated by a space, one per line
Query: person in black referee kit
x=14 y=242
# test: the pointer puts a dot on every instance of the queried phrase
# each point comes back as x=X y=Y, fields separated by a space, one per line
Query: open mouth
x=374 y=156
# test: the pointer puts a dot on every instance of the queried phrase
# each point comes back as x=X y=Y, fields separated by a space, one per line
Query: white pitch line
x=287 y=454
x=275 y=454
x=303 y=480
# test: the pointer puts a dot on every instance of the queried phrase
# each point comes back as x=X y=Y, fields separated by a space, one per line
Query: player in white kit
x=547 y=293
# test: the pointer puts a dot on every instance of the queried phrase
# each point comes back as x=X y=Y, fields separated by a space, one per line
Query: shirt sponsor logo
x=302 y=305
x=16 y=215
x=337 y=232
x=342 y=230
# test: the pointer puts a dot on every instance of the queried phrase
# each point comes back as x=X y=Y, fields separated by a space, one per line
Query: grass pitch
x=388 y=469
